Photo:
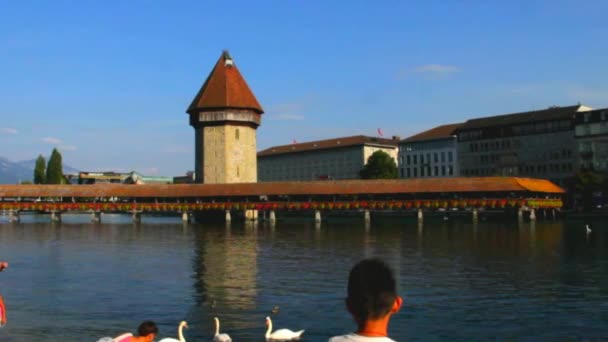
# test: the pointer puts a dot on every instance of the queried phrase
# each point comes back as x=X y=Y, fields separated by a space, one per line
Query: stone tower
x=225 y=115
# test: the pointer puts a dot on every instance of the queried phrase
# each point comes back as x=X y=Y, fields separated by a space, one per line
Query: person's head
x=372 y=291
x=148 y=330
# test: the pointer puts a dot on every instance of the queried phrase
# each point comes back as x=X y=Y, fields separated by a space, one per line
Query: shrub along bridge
x=352 y=196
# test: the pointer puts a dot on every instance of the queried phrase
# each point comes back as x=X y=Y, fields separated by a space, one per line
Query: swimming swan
x=219 y=337
x=182 y=325
x=281 y=334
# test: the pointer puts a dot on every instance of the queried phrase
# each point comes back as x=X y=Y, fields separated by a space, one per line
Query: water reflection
x=543 y=280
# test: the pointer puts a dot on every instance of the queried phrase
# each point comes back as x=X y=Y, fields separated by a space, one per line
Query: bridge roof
x=224 y=88
x=345 y=187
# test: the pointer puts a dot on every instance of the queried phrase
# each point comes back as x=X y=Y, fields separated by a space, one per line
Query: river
x=79 y=281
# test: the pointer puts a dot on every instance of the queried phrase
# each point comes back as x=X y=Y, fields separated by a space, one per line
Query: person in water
x=3 y=265
x=371 y=300
x=146 y=332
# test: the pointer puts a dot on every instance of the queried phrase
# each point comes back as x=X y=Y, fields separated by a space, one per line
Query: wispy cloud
x=286 y=112
x=67 y=148
x=52 y=141
x=8 y=130
x=436 y=69
x=429 y=71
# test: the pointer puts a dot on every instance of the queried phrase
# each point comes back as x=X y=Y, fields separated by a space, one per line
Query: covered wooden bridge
x=430 y=194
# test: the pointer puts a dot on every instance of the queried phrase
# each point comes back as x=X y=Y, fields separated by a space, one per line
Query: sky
x=108 y=82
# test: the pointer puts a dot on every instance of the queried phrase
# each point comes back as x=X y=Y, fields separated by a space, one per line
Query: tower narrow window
x=238 y=171
x=237 y=134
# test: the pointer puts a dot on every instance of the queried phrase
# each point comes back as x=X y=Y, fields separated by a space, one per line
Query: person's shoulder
x=358 y=338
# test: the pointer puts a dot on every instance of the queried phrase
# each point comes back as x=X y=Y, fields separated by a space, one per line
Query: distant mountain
x=15 y=172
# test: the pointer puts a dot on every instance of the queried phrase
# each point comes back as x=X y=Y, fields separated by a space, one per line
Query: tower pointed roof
x=225 y=87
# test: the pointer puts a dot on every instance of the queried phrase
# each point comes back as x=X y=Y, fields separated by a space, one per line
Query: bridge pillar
x=185 y=217
x=317 y=216
x=228 y=216
x=553 y=212
x=420 y=215
x=367 y=217
x=96 y=216
x=532 y=215
x=272 y=217
x=475 y=214
x=520 y=214
x=136 y=216
x=545 y=214
x=251 y=215
x=56 y=216
x=13 y=216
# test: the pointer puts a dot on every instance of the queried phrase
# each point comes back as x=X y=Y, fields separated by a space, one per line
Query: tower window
x=238 y=173
x=237 y=134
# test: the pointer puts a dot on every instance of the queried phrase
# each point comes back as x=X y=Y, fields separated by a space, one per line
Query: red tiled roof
x=327 y=144
x=439 y=132
x=225 y=87
x=345 y=187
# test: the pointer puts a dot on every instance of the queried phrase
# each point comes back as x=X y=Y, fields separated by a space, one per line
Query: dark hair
x=371 y=289
x=146 y=328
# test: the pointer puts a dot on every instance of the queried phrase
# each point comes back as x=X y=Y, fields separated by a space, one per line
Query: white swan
x=281 y=334
x=180 y=334
x=588 y=229
x=219 y=337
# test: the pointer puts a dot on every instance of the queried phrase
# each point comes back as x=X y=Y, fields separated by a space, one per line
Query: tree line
x=51 y=173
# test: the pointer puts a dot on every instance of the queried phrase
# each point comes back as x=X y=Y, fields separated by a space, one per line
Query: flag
x=380 y=132
x=293 y=141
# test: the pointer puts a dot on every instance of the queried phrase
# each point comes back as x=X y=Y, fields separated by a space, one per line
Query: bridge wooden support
x=272 y=217
x=367 y=217
x=420 y=215
x=317 y=216
x=56 y=216
x=532 y=215
x=13 y=216
x=554 y=213
x=251 y=215
x=185 y=217
x=136 y=216
x=475 y=215
x=228 y=216
x=520 y=214
x=96 y=216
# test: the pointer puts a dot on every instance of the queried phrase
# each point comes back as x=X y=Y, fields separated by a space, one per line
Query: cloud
x=67 y=148
x=50 y=140
x=286 y=112
x=436 y=69
x=8 y=130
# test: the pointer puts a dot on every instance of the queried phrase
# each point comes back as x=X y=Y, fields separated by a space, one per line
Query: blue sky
x=108 y=82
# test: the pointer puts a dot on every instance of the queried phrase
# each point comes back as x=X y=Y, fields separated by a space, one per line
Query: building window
x=443 y=157
x=237 y=134
x=238 y=173
x=428 y=158
x=422 y=171
x=409 y=174
x=443 y=170
x=415 y=172
x=422 y=159
x=436 y=157
x=450 y=170
x=401 y=172
x=450 y=156
x=407 y=158
x=415 y=159
x=436 y=171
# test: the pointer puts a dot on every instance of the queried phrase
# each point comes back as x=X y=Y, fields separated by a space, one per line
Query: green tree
x=379 y=166
x=40 y=170
x=54 y=170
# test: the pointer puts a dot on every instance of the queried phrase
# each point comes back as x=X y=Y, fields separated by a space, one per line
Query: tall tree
x=54 y=170
x=380 y=165
x=40 y=170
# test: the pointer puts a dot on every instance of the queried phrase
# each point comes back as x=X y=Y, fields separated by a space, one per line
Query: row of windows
x=524 y=170
x=493 y=146
x=427 y=171
x=413 y=159
x=591 y=129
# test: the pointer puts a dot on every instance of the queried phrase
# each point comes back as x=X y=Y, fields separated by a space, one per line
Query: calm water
x=78 y=281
